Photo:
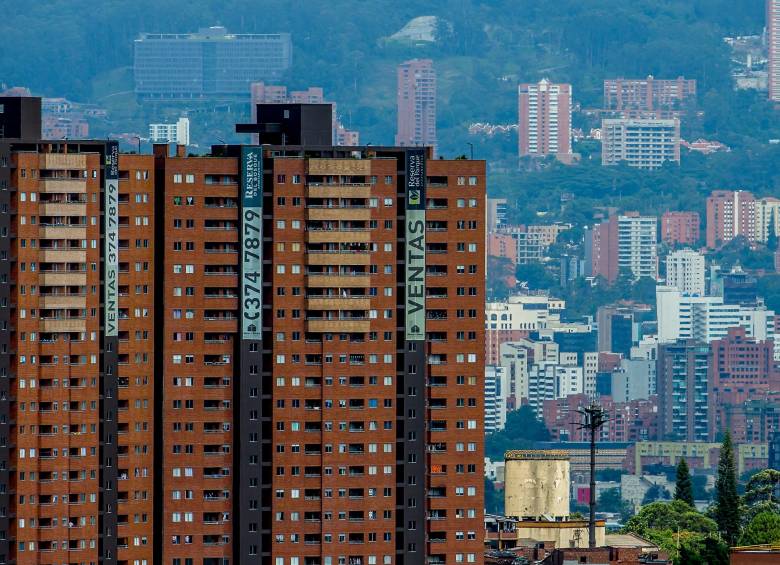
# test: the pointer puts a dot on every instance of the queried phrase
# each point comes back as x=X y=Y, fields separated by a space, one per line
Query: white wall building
x=496 y=394
x=704 y=318
x=568 y=380
x=685 y=269
x=523 y=312
x=638 y=245
x=178 y=133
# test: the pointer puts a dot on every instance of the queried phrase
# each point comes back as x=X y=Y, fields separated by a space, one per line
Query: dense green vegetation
x=83 y=50
x=522 y=429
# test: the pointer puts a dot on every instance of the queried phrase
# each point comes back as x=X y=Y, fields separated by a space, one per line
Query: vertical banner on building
x=251 y=242
x=111 y=258
x=415 y=244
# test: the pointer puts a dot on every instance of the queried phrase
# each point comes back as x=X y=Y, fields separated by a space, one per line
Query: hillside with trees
x=483 y=49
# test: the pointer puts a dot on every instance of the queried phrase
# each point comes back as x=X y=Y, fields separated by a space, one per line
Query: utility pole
x=594 y=418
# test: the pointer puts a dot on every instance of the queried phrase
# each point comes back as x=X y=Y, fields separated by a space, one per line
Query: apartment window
x=177 y=178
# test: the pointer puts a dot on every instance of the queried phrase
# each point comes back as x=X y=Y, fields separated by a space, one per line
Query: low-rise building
x=698 y=455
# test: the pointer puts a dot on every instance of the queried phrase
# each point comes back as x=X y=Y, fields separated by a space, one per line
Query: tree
x=654 y=493
x=726 y=497
x=683 y=489
x=762 y=494
x=522 y=429
x=677 y=528
x=771 y=240
x=673 y=516
x=494 y=498
x=763 y=528
x=703 y=551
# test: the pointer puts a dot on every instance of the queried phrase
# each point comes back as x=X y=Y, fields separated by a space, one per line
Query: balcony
x=63 y=185
x=338 y=303
x=55 y=255
x=338 y=257
x=64 y=232
x=62 y=209
x=337 y=325
x=338 y=280
x=335 y=213
x=340 y=190
x=63 y=301
x=63 y=278
x=338 y=235
x=64 y=325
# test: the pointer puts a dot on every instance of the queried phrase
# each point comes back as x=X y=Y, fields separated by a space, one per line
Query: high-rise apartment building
x=77 y=332
x=258 y=341
x=416 y=102
x=640 y=143
x=647 y=94
x=685 y=270
x=741 y=369
x=627 y=243
x=773 y=48
x=544 y=124
x=680 y=228
x=730 y=213
x=207 y=64
x=683 y=391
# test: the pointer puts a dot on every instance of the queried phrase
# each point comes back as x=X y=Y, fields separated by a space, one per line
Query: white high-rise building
x=638 y=245
x=773 y=44
x=496 y=395
x=704 y=318
x=178 y=133
x=685 y=270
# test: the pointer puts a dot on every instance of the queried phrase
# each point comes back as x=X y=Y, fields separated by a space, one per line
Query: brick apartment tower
x=729 y=214
x=741 y=369
x=544 y=126
x=76 y=335
x=416 y=100
x=309 y=395
x=773 y=47
x=680 y=228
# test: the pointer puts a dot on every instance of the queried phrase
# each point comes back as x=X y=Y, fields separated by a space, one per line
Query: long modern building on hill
x=773 y=48
x=271 y=354
x=211 y=63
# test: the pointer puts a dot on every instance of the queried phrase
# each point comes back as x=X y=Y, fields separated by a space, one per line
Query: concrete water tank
x=536 y=483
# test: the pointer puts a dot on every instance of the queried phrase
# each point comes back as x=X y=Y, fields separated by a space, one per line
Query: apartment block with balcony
x=75 y=368
x=640 y=143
